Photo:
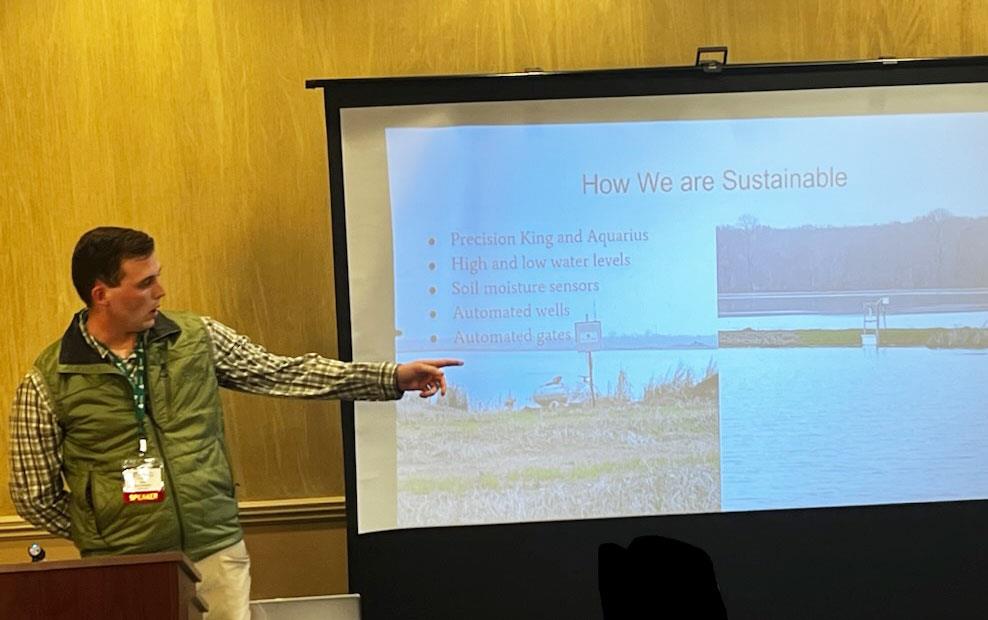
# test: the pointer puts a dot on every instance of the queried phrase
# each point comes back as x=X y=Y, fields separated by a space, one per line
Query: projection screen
x=764 y=289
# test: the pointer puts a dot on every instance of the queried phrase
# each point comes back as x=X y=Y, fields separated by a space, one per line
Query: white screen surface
x=778 y=297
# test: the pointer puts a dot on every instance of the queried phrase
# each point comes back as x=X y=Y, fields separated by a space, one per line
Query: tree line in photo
x=937 y=250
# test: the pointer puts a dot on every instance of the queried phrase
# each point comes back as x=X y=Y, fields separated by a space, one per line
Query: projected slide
x=682 y=316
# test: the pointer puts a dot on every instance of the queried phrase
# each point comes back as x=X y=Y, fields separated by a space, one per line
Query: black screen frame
x=906 y=561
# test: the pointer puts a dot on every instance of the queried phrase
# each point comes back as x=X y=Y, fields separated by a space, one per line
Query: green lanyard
x=138 y=389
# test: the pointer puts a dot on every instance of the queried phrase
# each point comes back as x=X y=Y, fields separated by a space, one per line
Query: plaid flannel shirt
x=36 y=485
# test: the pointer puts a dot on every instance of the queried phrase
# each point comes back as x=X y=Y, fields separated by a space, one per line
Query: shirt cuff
x=390 y=385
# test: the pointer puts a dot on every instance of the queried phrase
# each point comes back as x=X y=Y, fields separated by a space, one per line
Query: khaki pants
x=225 y=584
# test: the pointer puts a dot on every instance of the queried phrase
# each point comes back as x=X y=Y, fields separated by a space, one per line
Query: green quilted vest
x=93 y=403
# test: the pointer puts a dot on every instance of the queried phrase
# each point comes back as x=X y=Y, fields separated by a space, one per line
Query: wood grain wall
x=189 y=119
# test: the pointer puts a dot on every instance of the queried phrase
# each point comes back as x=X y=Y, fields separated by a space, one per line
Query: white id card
x=142 y=480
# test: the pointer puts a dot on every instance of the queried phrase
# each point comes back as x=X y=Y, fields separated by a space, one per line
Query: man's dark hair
x=99 y=253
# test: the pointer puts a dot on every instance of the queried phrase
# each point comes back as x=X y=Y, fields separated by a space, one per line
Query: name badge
x=143 y=480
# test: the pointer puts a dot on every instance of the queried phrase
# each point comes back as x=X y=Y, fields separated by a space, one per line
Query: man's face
x=133 y=304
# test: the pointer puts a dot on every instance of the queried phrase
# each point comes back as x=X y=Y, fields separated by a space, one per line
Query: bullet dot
x=432 y=290
x=432 y=241
x=432 y=266
x=433 y=338
x=432 y=314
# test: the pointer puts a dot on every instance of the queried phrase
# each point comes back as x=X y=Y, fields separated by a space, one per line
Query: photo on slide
x=544 y=447
x=854 y=356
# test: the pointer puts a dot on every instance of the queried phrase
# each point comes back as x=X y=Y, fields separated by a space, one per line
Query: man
x=125 y=411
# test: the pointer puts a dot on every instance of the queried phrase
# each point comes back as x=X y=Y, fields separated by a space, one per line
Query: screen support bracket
x=707 y=60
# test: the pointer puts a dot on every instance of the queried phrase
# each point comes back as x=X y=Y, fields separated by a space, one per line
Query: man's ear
x=99 y=293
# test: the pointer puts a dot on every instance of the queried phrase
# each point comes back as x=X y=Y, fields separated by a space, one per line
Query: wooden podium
x=149 y=587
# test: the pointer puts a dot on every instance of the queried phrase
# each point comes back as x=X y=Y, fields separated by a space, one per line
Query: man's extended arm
x=246 y=366
x=36 y=484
